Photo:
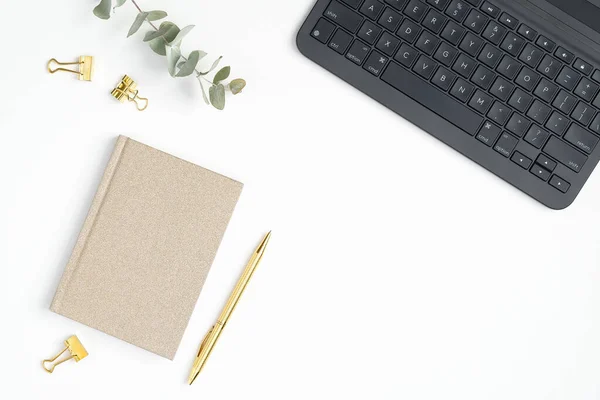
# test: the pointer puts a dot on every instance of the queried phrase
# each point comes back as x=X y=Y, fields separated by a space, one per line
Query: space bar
x=441 y=104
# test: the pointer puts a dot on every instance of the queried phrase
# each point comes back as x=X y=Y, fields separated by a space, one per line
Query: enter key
x=581 y=138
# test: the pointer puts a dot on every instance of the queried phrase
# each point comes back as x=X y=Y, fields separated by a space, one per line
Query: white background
x=398 y=269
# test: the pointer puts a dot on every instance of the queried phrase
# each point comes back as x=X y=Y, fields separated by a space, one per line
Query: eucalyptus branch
x=165 y=40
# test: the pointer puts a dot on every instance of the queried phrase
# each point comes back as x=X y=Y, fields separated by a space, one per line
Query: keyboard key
x=462 y=90
x=490 y=55
x=518 y=125
x=358 y=52
x=546 y=90
x=521 y=160
x=488 y=133
x=527 y=32
x=406 y=55
x=540 y=172
x=471 y=44
x=372 y=8
x=439 y=4
x=549 y=67
x=427 y=43
x=397 y=4
x=564 y=55
x=490 y=9
x=475 y=21
x=390 y=20
x=596 y=76
x=323 y=30
x=546 y=44
x=565 y=102
x=509 y=20
x=481 y=102
x=565 y=154
x=583 y=113
x=538 y=112
x=457 y=10
x=595 y=126
x=557 y=123
x=415 y=10
x=464 y=65
x=483 y=77
x=409 y=31
x=443 y=79
x=567 y=78
x=343 y=16
x=452 y=32
x=375 y=63
x=445 y=54
x=560 y=184
x=545 y=162
x=387 y=44
x=506 y=144
x=430 y=97
x=502 y=88
x=527 y=79
x=369 y=32
x=536 y=136
x=531 y=55
x=499 y=113
x=512 y=44
x=520 y=100
x=425 y=67
x=434 y=21
x=508 y=67
x=581 y=138
x=583 y=66
x=352 y=3
x=340 y=42
x=494 y=32
x=586 y=89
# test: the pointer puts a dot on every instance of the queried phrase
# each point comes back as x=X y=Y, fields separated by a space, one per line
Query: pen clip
x=204 y=340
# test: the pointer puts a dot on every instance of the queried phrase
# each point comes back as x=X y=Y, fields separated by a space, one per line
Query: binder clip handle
x=85 y=63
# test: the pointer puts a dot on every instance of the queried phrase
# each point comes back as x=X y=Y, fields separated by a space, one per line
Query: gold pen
x=213 y=334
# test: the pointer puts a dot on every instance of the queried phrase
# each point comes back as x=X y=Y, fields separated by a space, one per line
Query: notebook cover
x=146 y=247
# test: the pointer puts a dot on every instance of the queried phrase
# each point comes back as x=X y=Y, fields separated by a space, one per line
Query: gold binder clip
x=76 y=349
x=127 y=90
x=86 y=67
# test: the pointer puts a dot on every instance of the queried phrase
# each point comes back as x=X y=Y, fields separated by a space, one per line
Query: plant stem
x=156 y=29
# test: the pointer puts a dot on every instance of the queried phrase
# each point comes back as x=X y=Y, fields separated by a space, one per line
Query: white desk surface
x=398 y=269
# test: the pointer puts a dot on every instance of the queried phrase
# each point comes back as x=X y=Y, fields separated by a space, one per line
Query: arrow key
x=540 y=172
x=521 y=160
x=560 y=184
x=546 y=43
x=546 y=162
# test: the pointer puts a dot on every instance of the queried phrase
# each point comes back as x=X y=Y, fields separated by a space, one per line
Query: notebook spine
x=89 y=223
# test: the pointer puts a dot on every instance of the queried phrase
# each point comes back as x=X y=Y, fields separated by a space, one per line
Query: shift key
x=343 y=16
x=565 y=154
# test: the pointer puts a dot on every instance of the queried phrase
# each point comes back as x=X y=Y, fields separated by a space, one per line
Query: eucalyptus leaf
x=119 y=3
x=215 y=64
x=237 y=85
x=158 y=44
x=181 y=35
x=222 y=75
x=217 y=96
x=180 y=64
x=103 y=9
x=173 y=55
x=156 y=15
x=190 y=65
x=139 y=20
x=157 y=34
x=203 y=92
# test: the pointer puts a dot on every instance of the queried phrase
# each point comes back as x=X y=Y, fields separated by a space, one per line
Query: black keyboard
x=502 y=90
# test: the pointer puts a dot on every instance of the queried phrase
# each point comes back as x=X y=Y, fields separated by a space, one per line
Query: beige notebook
x=146 y=247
